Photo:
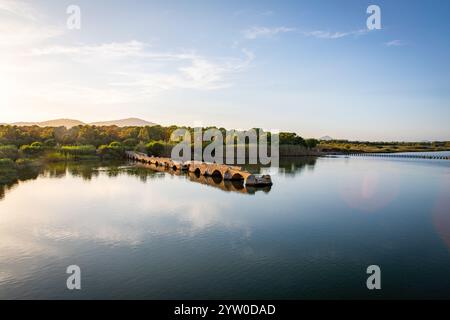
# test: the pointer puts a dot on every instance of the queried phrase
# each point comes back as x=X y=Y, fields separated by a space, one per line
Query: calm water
x=137 y=233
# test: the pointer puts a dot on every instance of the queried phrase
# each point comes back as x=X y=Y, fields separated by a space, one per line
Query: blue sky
x=306 y=66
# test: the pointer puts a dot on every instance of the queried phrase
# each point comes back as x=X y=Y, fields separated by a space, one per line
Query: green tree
x=143 y=135
x=311 y=143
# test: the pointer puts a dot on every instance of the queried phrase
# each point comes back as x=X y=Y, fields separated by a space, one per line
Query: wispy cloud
x=267 y=32
x=264 y=32
x=395 y=43
x=267 y=13
x=14 y=34
x=19 y=25
x=193 y=72
x=19 y=9
x=111 y=50
x=320 y=34
x=125 y=72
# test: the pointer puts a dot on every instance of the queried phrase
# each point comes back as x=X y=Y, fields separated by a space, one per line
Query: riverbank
x=350 y=147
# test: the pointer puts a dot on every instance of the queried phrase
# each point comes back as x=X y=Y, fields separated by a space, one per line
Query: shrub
x=86 y=150
x=55 y=157
x=9 y=152
x=113 y=151
x=36 y=145
x=155 y=148
x=115 y=144
x=140 y=147
x=129 y=143
x=50 y=143
x=32 y=150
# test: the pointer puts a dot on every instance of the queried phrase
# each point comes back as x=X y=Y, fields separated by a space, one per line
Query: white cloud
x=395 y=43
x=264 y=32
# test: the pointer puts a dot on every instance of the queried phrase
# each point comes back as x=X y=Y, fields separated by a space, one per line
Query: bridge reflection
x=211 y=181
x=226 y=185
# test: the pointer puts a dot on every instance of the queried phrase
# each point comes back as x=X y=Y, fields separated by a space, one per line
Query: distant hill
x=130 y=122
x=326 y=138
x=69 y=123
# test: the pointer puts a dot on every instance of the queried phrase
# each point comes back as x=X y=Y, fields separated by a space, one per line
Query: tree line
x=105 y=135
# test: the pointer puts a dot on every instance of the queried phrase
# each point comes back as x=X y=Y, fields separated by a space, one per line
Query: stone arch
x=216 y=173
x=237 y=176
x=217 y=179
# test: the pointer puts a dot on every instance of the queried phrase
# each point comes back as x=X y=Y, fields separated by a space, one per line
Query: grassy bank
x=343 y=146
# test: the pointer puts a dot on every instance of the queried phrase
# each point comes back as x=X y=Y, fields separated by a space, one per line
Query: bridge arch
x=237 y=176
x=216 y=173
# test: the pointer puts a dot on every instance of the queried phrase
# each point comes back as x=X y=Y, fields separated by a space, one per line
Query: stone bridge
x=157 y=161
x=225 y=172
x=218 y=170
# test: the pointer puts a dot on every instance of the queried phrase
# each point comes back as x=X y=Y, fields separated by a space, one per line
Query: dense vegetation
x=97 y=136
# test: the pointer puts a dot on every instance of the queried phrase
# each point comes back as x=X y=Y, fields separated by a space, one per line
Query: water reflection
x=225 y=185
x=441 y=212
x=288 y=166
x=27 y=173
x=90 y=170
x=85 y=170
x=368 y=189
x=143 y=232
x=294 y=166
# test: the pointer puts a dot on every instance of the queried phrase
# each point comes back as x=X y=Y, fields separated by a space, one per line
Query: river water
x=138 y=233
